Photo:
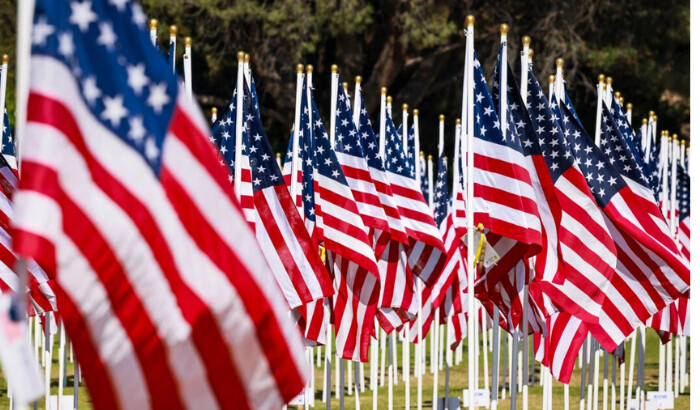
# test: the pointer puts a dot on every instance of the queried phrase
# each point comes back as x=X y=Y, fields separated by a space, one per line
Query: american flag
x=224 y=138
x=650 y=273
x=397 y=304
x=7 y=147
x=39 y=285
x=426 y=248
x=504 y=199
x=433 y=297
x=329 y=202
x=161 y=283
x=351 y=156
x=559 y=347
x=288 y=249
x=576 y=231
x=684 y=210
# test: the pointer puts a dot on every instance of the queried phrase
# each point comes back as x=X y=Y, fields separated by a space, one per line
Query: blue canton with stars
x=570 y=105
x=224 y=134
x=424 y=183
x=347 y=139
x=602 y=177
x=410 y=146
x=8 y=143
x=396 y=160
x=264 y=170
x=550 y=138
x=517 y=113
x=441 y=198
x=619 y=154
x=488 y=126
x=368 y=139
x=633 y=140
x=683 y=193
x=124 y=81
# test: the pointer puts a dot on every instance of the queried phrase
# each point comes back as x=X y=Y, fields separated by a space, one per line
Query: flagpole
x=173 y=41
x=599 y=108
x=418 y=360
x=214 y=113
x=628 y=113
x=187 y=66
x=468 y=164
x=551 y=87
x=153 y=25
x=334 y=101
x=357 y=102
x=3 y=84
x=525 y=62
x=633 y=349
x=239 y=128
x=559 y=80
x=494 y=359
x=404 y=126
x=246 y=70
x=297 y=133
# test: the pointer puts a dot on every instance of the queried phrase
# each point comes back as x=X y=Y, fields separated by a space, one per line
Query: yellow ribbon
x=479 y=247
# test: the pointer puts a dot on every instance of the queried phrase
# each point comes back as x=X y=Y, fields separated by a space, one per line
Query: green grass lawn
x=458 y=381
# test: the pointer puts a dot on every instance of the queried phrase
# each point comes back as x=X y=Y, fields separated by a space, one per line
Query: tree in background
x=416 y=49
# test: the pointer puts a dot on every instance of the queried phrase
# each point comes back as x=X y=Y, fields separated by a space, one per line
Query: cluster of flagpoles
x=383 y=350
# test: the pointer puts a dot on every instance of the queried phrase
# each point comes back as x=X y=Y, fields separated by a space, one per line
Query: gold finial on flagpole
x=404 y=107
x=645 y=121
x=300 y=68
x=358 y=79
x=622 y=101
x=618 y=95
x=188 y=41
x=334 y=68
x=442 y=117
x=656 y=118
x=458 y=121
x=430 y=157
x=422 y=154
x=551 y=79
x=675 y=136
x=530 y=54
x=309 y=69
x=651 y=114
x=153 y=24
x=601 y=78
x=560 y=62
x=246 y=58
x=526 y=41
x=504 y=29
x=415 y=112
x=345 y=86
x=608 y=81
x=240 y=56
x=389 y=99
x=383 y=90
x=214 y=110
x=5 y=59
x=469 y=21
x=278 y=155
x=173 y=30
x=629 y=106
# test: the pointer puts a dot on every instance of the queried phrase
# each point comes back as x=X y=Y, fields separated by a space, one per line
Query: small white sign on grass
x=659 y=400
x=482 y=397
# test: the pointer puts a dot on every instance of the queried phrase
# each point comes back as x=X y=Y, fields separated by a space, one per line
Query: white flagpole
x=357 y=102
x=173 y=41
x=599 y=108
x=433 y=364
x=214 y=113
x=525 y=62
x=153 y=25
x=297 y=134
x=494 y=359
x=605 y=380
x=239 y=127
x=404 y=126
x=468 y=164
x=416 y=160
x=559 y=80
x=373 y=367
x=61 y=363
x=3 y=84
x=628 y=113
x=246 y=70
x=431 y=203
x=552 y=79
x=334 y=101
x=633 y=349
x=187 y=66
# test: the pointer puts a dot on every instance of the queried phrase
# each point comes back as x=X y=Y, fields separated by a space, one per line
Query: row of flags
x=184 y=256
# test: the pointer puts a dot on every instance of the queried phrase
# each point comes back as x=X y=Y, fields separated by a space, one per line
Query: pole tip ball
x=300 y=68
x=469 y=20
x=383 y=91
x=551 y=79
x=241 y=56
x=309 y=69
x=404 y=107
x=173 y=30
x=358 y=79
x=560 y=62
x=504 y=29
x=334 y=68
x=153 y=24
x=442 y=117
x=5 y=59
x=415 y=112
x=526 y=41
